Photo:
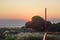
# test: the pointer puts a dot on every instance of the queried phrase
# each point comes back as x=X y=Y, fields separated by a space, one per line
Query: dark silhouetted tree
x=37 y=23
x=58 y=27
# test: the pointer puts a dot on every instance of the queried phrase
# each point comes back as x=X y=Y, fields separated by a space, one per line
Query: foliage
x=38 y=24
x=31 y=36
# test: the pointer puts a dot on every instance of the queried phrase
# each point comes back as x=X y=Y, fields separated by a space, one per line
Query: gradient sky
x=25 y=9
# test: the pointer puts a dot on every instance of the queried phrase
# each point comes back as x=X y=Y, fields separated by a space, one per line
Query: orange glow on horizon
x=26 y=9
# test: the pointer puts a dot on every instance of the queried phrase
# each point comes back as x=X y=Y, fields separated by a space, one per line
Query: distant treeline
x=38 y=24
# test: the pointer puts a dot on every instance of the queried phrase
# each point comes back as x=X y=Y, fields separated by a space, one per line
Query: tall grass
x=31 y=36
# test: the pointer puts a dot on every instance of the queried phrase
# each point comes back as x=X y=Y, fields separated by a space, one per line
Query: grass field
x=32 y=36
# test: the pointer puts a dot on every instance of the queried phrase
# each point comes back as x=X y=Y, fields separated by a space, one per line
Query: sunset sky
x=25 y=9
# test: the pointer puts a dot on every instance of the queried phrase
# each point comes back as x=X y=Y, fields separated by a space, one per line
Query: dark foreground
x=29 y=36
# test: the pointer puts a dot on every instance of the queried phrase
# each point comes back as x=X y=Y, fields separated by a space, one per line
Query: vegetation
x=31 y=36
x=33 y=30
x=38 y=24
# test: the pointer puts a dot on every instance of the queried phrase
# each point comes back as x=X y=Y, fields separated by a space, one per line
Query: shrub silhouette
x=37 y=23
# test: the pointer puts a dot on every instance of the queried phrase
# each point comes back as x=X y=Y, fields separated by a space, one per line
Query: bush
x=31 y=36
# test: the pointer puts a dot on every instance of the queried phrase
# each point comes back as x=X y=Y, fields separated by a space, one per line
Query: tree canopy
x=38 y=23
